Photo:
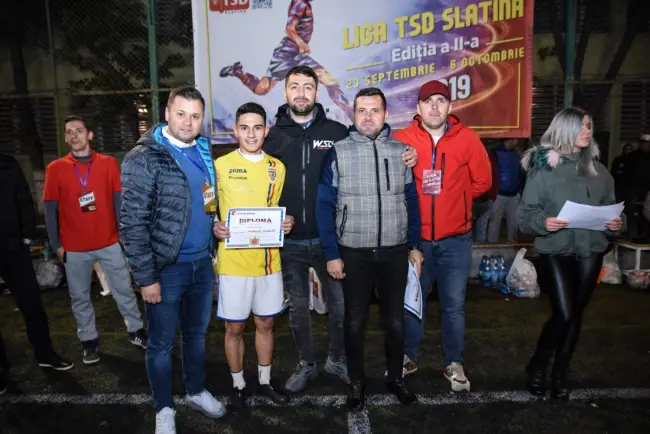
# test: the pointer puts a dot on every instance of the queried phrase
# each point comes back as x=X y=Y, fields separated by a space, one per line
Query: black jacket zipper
x=387 y=176
x=305 y=146
x=374 y=148
x=344 y=219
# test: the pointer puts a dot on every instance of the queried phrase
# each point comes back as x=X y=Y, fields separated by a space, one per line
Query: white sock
x=264 y=373
x=238 y=380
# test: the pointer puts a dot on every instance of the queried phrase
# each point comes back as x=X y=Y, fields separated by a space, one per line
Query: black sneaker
x=54 y=361
x=356 y=396
x=237 y=399
x=404 y=395
x=277 y=397
x=139 y=338
x=91 y=351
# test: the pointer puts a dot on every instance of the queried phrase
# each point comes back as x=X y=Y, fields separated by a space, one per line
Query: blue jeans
x=187 y=292
x=446 y=262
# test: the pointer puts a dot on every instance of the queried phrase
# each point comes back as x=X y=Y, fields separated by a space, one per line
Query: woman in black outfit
x=564 y=167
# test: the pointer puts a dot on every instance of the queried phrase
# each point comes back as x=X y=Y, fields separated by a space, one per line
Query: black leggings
x=569 y=282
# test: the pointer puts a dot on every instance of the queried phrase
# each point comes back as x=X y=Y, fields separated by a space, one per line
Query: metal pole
x=570 y=50
x=60 y=143
x=153 y=61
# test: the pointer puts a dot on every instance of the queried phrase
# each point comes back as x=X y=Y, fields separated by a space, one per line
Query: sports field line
x=358 y=423
x=372 y=400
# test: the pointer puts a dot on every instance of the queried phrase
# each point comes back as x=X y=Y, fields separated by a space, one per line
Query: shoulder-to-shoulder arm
x=273 y=142
x=401 y=135
x=343 y=131
x=326 y=198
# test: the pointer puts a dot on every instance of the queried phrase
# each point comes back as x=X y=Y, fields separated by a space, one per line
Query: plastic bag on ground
x=522 y=277
x=49 y=274
x=611 y=271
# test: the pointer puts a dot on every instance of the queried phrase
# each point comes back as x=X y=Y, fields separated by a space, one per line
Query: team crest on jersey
x=272 y=174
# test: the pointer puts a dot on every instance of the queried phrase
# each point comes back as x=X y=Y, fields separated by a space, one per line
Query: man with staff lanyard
x=453 y=170
x=168 y=207
x=82 y=205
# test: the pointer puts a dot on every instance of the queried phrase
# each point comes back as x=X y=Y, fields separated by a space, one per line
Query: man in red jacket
x=453 y=169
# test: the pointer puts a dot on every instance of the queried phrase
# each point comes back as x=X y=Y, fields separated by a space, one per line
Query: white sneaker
x=165 y=423
x=456 y=376
x=206 y=404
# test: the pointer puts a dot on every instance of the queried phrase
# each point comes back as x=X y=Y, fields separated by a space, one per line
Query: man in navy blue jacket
x=368 y=220
x=168 y=201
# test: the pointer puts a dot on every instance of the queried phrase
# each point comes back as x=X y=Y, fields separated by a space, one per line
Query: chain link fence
x=94 y=59
x=91 y=58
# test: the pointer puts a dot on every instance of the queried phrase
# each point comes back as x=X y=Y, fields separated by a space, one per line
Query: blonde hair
x=562 y=134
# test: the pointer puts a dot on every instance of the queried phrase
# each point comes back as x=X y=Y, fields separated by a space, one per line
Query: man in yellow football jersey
x=250 y=280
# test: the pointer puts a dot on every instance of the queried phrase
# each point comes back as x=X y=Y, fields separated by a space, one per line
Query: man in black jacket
x=300 y=138
x=17 y=230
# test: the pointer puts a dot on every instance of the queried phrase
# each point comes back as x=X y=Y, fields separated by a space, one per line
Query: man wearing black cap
x=453 y=169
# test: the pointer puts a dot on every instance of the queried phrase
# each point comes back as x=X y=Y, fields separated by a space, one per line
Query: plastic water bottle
x=494 y=271
x=503 y=270
x=485 y=272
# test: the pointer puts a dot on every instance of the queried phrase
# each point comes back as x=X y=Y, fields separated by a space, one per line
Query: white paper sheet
x=413 y=295
x=589 y=217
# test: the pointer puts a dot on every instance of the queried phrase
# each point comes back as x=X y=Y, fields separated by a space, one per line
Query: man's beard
x=301 y=112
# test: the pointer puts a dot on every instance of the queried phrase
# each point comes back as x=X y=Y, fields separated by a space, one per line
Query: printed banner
x=481 y=49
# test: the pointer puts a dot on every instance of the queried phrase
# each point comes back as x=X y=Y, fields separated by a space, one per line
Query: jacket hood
x=153 y=138
x=541 y=158
x=284 y=119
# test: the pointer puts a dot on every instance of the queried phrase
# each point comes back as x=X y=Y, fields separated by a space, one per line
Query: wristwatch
x=417 y=247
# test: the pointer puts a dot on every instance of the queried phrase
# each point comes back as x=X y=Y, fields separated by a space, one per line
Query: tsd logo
x=229 y=6
x=237 y=171
x=235 y=6
x=323 y=144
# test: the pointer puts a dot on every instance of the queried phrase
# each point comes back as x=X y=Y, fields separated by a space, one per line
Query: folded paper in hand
x=413 y=295
x=589 y=217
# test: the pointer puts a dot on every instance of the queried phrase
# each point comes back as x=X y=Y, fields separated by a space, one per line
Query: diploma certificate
x=252 y=228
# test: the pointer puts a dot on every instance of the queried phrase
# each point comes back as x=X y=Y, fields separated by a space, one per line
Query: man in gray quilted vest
x=368 y=221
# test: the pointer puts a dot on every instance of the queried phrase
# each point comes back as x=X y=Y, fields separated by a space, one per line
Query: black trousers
x=569 y=282
x=17 y=271
x=364 y=268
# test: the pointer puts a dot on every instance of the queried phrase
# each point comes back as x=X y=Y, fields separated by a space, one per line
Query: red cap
x=433 y=87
